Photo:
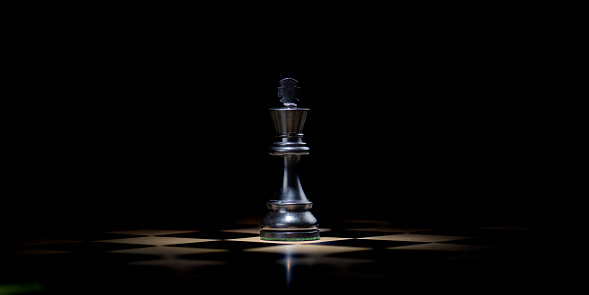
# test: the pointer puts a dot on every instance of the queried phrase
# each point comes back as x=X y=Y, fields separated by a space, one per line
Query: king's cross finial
x=289 y=91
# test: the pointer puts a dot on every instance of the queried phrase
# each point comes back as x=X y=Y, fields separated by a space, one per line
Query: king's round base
x=273 y=235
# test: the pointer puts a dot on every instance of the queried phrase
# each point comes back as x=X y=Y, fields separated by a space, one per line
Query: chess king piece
x=289 y=218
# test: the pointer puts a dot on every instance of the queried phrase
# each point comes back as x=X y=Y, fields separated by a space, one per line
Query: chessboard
x=351 y=255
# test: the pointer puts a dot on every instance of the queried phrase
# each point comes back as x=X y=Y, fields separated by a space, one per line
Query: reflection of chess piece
x=290 y=218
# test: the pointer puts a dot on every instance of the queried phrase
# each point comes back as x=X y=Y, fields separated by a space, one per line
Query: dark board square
x=345 y=233
x=373 y=244
x=213 y=234
x=229 y=245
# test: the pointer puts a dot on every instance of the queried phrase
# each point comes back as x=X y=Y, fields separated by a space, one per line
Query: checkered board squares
x=178 y=265
x=156 y=241
x=151 y=232
x=252 y=231
x=417 y=238
x=351 y=253
x=167 y=251
x=441 y=247
x=303 y=249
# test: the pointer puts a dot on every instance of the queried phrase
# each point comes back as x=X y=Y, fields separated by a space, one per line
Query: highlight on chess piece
x=289 y=218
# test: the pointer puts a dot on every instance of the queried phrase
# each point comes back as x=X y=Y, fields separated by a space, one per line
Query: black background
x=165 y=123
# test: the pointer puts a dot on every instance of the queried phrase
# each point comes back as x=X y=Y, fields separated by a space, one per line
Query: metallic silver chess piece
x=289 y=218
